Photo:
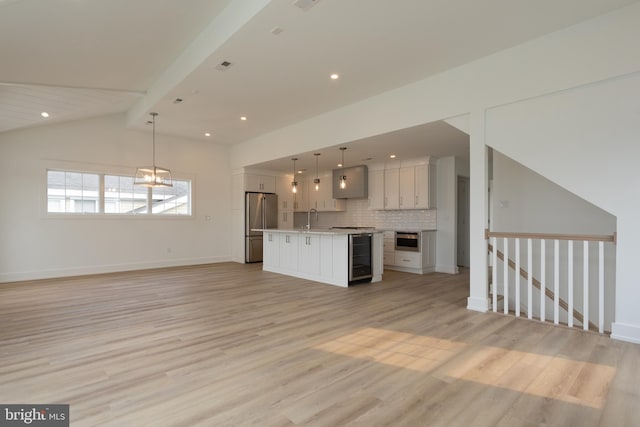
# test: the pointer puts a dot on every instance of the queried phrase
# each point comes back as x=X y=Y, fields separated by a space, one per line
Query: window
x=80 y=192
x=73 y=192
x=122 y=197
x=172 y=200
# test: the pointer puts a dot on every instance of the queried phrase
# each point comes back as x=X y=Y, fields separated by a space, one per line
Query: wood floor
x=230 y=345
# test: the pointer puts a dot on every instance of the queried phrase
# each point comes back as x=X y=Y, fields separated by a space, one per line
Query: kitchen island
x=321 y=255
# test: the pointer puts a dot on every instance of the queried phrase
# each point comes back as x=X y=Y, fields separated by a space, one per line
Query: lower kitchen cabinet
x=321 y=257
x=420 y=262
x=271 y=251
x=288 y=251
x=309 y=253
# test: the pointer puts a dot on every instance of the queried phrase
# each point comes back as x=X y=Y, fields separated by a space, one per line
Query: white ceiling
x=80 y=58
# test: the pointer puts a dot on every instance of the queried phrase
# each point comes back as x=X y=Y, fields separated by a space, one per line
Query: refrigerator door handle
x=264 y=212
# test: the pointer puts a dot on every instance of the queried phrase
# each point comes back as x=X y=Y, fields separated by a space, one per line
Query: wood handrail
x=548 y=236
x=548 y=292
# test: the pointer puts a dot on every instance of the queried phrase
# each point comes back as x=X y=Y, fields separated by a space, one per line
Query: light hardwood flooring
x=230 y=345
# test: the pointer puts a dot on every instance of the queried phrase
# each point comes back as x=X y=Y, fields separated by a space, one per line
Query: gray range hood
x=357 y=179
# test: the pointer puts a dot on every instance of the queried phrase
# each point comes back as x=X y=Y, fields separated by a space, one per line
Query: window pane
x=55 y=191
x=90 y=192
x=121 y=196
x=174 y=200
x=72 y=192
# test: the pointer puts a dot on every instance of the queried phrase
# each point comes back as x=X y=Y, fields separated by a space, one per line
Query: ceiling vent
x=223 y=66
x=305 y=4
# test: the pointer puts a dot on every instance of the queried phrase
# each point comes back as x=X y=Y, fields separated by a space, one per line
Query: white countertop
x=320 y=230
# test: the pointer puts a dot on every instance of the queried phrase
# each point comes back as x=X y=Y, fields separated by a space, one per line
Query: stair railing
x=552 y=294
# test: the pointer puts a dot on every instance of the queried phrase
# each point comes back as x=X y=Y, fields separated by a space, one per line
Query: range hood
x=356 y=187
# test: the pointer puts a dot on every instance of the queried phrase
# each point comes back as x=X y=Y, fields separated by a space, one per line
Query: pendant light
x=294 y=183
x=317 y=180
x=153 y=176
x=343 y=178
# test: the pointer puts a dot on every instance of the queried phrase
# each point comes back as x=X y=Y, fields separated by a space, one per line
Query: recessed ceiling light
x=44 y=114
x=243 y=118
x=393 y=156
x=339 y=165
x=334 y=76
x=207 y=134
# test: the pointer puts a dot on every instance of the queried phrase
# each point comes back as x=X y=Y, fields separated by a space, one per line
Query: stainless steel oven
x=408 y=241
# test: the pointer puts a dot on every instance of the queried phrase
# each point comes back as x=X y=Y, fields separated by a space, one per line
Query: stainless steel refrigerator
x=261 y=211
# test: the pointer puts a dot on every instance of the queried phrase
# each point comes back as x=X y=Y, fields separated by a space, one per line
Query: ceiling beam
x=221 y=29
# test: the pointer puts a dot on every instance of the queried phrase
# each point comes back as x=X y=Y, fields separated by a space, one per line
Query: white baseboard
x=101 y=269
x=625 y=332
x=478 y=304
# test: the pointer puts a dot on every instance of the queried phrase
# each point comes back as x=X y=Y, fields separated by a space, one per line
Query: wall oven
x=407 y=241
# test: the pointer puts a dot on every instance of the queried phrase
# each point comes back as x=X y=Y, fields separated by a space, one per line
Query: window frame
x=119 y=172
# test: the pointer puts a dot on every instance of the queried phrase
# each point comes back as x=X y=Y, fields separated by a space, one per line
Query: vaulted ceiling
x=81 y=58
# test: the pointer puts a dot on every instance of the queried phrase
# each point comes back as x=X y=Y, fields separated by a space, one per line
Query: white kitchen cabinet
x=389 y=247
x=285 y=195
x=301 y=198
x=289 y=251
x=392 y=188
x=285 y=219
x=259 y=183
x=322 y=199
x=377 y=255
x=408 y=184
x=327 y=264
x=271 y=250
x=407 y=188
x=309 y=254
x=376 y=189
x=408 y=259
x=420 y=262
x=416 y=187
x=318 y=256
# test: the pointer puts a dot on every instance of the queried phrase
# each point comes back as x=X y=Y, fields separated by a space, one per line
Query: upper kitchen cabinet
x=322 y=198
x=285 y=195
x=376 y=188
x=259 y=183
x=392 y=188
x=417 y=185
x=301 y=197
x=410 y=184
x=425 y=188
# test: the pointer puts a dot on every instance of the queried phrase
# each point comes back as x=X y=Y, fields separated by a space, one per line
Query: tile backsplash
x=358 y=214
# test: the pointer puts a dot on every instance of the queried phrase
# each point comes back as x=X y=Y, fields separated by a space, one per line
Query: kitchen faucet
x=308 y=226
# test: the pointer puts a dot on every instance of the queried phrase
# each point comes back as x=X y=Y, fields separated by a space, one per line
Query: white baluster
x=585 y=285
x=556 y=282
x=530 y=279
x=543 y=280
x=570 y=283
x=506 y=276
x=517 y=277
x=601 y=287
x=494 y=274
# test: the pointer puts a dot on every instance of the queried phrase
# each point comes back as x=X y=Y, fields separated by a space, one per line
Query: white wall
x=35 y=245
x=603 y=49
x=525 y=201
